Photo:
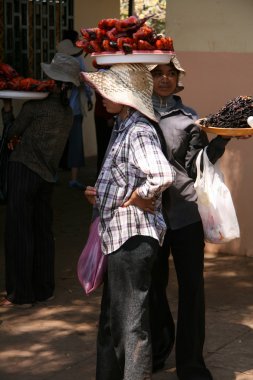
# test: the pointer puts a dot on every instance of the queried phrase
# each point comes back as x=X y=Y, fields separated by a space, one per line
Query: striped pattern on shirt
x=135 y=161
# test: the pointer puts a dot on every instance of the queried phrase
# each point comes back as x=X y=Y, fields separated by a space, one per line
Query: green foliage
x=144 y=8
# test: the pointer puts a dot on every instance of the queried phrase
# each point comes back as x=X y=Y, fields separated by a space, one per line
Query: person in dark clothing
x=72 y=35
x=184 y=238
x=79 y=96
x=37 y=137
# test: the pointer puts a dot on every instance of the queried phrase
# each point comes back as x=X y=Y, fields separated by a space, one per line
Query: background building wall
x=213 y=40
x=211 y=25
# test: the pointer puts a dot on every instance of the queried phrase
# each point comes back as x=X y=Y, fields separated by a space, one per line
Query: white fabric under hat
x=175 y=62
x=130 y=84
x=63 y=68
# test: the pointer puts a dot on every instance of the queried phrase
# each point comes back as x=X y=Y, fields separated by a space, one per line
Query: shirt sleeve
x=7 y=118
x=216 y=148
x=21 y=122
x=198 y=141
x=149 y=158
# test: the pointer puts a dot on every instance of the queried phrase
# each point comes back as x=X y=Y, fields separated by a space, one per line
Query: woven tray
x=232 y=132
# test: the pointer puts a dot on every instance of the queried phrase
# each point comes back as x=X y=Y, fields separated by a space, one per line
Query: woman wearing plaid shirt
x=128 y=196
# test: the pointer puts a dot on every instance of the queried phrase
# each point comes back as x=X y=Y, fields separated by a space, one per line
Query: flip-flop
x=6 y=303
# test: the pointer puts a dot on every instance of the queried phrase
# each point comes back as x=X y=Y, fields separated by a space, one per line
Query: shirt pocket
x=118 y=175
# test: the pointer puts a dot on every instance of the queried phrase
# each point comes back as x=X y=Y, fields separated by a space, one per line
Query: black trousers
x=124 y=341
x=29 y=241
x=187 y=248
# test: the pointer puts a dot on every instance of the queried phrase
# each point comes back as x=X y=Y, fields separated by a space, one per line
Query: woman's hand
x=144 y=204
x=90 y=194
x=13 y=142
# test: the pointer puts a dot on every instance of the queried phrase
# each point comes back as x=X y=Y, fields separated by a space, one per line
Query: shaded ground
x=57 y=340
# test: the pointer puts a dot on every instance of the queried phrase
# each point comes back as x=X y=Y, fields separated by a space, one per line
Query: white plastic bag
x=215 y=203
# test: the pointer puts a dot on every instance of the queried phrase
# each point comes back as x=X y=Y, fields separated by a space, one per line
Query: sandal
x=6 y=303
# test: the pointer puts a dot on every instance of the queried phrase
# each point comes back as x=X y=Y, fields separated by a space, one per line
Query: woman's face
x=165 y=79
x=112 y=107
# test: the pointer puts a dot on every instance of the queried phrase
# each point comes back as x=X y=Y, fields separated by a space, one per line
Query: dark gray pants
x=124 y=344
x=29 y=241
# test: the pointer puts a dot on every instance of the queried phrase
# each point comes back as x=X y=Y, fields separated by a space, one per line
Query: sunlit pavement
x=57 y=340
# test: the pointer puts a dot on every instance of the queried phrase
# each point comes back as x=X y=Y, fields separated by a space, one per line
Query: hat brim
x=56 y=75
x=111 y=87
x=70 y=50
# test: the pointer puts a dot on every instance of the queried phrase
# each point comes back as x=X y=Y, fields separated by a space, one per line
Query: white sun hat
x=181 y=72
x=63 y=68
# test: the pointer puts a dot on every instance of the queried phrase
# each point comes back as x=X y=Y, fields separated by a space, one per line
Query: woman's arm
x=20 y=123
x=197 y=141
x=149 y=158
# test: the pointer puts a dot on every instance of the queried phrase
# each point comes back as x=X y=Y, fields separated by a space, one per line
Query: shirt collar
x=121 y=125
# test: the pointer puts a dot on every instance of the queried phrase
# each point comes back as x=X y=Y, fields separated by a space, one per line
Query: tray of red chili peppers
x=128 y=40
x=13 y=85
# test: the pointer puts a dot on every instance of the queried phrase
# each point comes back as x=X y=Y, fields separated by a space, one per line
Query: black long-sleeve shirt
x=184 y=140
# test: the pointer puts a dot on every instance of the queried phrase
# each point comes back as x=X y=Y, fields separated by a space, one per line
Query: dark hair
x=70 y=35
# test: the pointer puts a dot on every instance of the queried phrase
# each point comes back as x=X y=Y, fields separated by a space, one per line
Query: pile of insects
x=233 y=114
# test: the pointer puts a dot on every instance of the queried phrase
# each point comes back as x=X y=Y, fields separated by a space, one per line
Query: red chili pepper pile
x=11 y=80
x=124 y=35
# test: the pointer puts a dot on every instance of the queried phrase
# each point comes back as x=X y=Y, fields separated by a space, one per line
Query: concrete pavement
x=57 y=340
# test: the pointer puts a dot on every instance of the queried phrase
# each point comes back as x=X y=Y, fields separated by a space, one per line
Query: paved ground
x=57 y=340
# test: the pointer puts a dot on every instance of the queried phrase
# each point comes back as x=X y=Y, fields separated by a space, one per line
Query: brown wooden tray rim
x=226 y=131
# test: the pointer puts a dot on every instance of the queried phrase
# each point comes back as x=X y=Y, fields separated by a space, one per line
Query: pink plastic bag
x=92 y=263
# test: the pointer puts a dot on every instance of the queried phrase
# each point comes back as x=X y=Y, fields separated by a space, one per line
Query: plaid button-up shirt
x=135 y=161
